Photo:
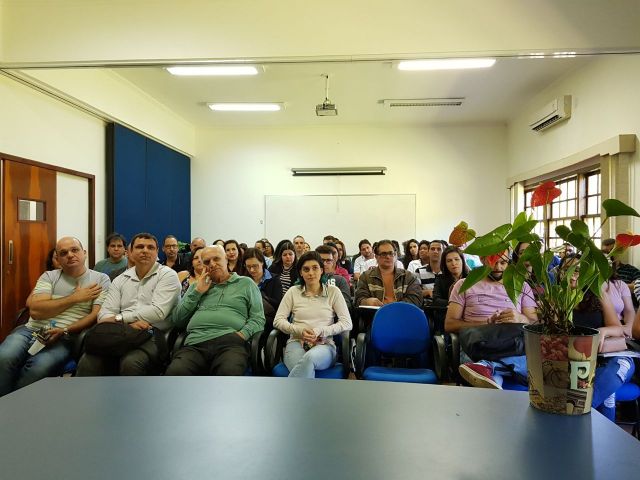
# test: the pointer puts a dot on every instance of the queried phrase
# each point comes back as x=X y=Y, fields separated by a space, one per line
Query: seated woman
x=453 y=267
x=255 y=267
x=313 y=306
x=620 y=297
x=232 y=249
x=343 y=261
x=193 y=271
x=410 y=252
x=283 y=265
x=423 y=257
x=597 y=313
x=268 y=250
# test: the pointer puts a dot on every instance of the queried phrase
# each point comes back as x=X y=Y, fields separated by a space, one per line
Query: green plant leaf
x=474 y=277
x=520 y=219
x=577 y=240
x=512 y=281
x=563 y=232
x=615 y=208
x=580 y=228
x=521 y=231
x=490 y=243
x=601 y=261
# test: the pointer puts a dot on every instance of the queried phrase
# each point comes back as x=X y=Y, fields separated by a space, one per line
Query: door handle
x=10 y=252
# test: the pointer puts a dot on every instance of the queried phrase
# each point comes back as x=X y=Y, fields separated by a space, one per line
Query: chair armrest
x=361 y=354
x=179 y=342
x=273 y=350
x=440 y=357
x=255 y=356
x=346 y=354
x=77 y=348
x=455 y=351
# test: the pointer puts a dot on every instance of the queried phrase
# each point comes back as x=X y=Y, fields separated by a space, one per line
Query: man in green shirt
x=221 y=312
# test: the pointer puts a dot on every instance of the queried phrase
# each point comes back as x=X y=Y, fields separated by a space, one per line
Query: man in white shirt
x=427 y=274
x=143 y=297
x=366 y=253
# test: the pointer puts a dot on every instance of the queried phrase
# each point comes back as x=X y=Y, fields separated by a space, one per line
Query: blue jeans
x=19 y=369
x=609 y=378
x=519 y=364
x=304 y=363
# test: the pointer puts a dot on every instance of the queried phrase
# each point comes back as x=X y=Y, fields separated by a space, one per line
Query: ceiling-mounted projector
x=326 y=108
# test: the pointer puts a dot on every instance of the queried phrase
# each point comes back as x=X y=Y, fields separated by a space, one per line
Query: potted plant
x=561 y=358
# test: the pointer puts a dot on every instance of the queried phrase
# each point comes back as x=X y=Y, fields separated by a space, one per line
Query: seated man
x=143 y=297
x=366 y=253
x=68 y=301
x=486 y=303
x=427 y=274
x=386 y=283
x=172 y=258
x=221 y=311
x=116 y=255
x=329 y=259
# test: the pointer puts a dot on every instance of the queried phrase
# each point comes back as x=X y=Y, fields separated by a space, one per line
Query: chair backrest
x=400 y=329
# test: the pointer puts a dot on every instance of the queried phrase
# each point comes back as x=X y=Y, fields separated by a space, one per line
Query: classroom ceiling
x=492 y=95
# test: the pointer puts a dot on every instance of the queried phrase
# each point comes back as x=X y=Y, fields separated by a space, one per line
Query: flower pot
x=561 y=369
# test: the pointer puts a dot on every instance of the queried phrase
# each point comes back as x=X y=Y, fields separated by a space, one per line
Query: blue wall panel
x=151 y=187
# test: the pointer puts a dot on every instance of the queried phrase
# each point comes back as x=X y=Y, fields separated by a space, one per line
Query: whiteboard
x=348 y=217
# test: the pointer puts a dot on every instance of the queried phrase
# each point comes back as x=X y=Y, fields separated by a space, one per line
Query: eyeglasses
x=171 y=246
x=386 y=254
x=327 y=260
x=252 y=267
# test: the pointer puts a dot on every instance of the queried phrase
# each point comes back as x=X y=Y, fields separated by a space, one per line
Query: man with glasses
x=173 y=259
x=63 y=303
x=329 y=260
x=386 y=283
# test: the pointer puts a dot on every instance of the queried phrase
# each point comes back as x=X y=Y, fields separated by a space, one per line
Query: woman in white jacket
x=307 y=313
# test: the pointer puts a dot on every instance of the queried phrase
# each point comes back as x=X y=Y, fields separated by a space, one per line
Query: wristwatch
x=65 y=332
x=119 y=317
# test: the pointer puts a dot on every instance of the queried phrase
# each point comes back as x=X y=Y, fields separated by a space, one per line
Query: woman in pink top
x=620 y=296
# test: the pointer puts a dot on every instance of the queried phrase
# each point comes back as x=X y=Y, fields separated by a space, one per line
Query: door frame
x=92 y=204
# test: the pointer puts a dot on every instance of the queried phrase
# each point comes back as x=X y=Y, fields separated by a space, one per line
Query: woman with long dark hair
x=233 y=251
x=193 y=271
x=453 y=268
x=410 y=252
x=283 y=265
x=313 y=305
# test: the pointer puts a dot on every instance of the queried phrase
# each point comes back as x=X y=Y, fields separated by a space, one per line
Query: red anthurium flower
x=461 y=234
x=493 y=259
x=545 y=193
x=626 y=240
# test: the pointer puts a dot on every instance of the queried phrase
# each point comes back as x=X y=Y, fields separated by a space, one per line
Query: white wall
x=73 y=206
x=606 y=102
x=456 y=173
x=37 y=127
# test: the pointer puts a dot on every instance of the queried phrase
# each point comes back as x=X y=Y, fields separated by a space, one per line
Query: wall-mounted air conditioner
x=556 y=111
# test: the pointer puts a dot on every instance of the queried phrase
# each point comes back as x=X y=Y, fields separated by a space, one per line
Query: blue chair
x=276 y=343
x=399 y=335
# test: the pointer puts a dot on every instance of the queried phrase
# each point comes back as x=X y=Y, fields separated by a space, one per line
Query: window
x=580 y=198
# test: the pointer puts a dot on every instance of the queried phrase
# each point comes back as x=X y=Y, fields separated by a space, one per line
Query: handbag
x=114 y=339
x=493 y=342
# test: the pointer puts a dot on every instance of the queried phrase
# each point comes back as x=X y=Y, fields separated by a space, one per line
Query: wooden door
x=29 y=230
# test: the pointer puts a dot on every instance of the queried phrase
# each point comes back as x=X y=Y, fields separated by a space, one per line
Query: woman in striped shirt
x=284 y=265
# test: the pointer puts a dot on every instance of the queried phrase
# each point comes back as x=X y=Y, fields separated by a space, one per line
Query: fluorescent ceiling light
x=337 y=171
x=246 y=107
x=446 y=64
x=222 y=70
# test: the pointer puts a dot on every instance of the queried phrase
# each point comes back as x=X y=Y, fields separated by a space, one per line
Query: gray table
x=268 y=428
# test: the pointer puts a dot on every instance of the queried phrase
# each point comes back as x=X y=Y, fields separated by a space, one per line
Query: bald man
x=64 y=302
x=221 y=312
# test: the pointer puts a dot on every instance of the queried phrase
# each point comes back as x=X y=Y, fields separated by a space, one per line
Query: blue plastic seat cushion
x=406 y=375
